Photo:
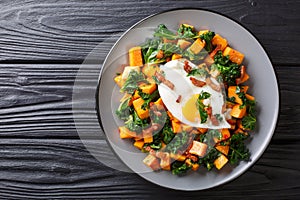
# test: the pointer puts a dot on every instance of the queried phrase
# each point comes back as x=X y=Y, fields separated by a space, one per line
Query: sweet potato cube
x=152 y=162
x=148 y=88
x=176 y=56
x=234 y=55
x=245 y=78
x=218 y=40
x=198 y=148
x=197 y=46
x=202 y=130
x=225 y=133
x=249 y=97
x=202 y=32
x=125 y=133
x=238 y=111
x=195 y=166
x=148 y=138
x=119 y=81
x=176 y=126
x=183 y=44
x=139 y=144
x=232 y=93
x=135 y=56
x=220 y=162
x=159 y=102
x=137 y=104
x=223 y=149
x=172 y=117
x=178 y=157
x=165 y=160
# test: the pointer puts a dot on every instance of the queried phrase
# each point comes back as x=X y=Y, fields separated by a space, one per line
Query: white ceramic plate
x=263 y=86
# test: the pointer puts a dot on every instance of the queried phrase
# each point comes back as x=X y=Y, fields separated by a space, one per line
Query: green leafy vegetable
x=167 y=132
x=186 y=32
x=179 y=142
x=237 y=150
x=136 y=124
x=169 y=49
x=148 y=98
x=131 y=83
x=179 y=168
x=229 y=70
x=198 y=71
x=163 y=32
x=124 y=111
x=207 y=37
x=202 y=107
x=208 y=160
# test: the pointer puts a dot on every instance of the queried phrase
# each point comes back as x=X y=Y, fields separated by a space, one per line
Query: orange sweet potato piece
x=152 y=162
x=234 y=55
x=176 y=56
x=139 y=144
x=148 y=88
x=148 y=138
x=218 y=40
x=232 y=93
x=220 y=161
x=178 y=157
x=137 y=104
x=237 y=111
x=183 y=44
x=125 y=133
x=135 y=56
x=223 y=149
x=119 y=81
x=249 y=97
x=197 y=46
x=198 y=148
x=176 y=126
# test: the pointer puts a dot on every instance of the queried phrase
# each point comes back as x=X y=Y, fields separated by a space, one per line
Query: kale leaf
x=229 y=70
x=238 y=150
x=136 y=124
x=179 y=168
x=207 y=37
x=179 y=142
x=167 y=132
x=148 y=98
x=131 y=83
x=124 y=111
x=186 y=32
x=163 y=32
x=198 y=71
x=208 y=160
x=201 y=107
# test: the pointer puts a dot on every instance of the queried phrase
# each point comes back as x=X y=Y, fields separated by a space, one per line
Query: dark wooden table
x=42 y=47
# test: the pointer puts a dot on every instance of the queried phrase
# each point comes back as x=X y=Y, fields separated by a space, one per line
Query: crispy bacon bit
x=178 y=100
x=212 y=85
x=231 y=121
x=197 y=82
x=160 y=54
x=208 y=110
x=243 y=71
x=213 y=53
x=192 y=157
x=162 y=79
x=214 y=120
x=187 y=67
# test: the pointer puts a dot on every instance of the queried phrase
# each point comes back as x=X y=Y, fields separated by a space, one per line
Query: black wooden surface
x=43 y=43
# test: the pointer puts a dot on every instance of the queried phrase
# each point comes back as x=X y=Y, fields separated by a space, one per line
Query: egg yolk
x=190 y=110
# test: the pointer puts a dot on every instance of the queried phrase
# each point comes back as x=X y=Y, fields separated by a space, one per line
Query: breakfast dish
x=185 y=100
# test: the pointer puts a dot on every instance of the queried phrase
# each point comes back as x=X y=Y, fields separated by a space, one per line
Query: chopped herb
x=198 y=71
x=186 y=32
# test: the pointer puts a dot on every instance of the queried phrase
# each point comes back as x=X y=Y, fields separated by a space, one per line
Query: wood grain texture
x=44 y=169
x=66 y=31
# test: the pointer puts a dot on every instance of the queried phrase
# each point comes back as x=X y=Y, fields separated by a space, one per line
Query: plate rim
x=278 y=96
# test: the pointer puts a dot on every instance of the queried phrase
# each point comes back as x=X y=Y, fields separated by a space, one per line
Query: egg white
x=174 y=72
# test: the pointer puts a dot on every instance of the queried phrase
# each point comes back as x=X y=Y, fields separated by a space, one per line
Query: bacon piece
x=178 y=100
x=197 y=82
x=212 y=85
x=162 y=79
x=243 y=71
x=187 y=67
x=214 y=120
x=213 y=53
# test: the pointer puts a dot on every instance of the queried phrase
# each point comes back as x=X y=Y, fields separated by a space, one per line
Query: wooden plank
x=66 y=31
x=60 y=169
